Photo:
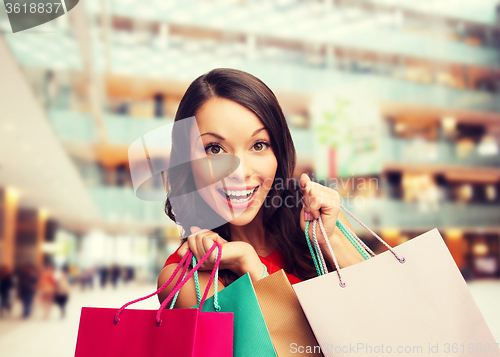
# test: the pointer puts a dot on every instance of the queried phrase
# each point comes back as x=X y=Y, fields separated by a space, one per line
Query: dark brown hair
x=281 y=222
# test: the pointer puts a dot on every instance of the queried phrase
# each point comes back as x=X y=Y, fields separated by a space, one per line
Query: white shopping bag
x=409 y=301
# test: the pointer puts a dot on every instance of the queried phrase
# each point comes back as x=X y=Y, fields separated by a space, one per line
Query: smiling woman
x=237 y=115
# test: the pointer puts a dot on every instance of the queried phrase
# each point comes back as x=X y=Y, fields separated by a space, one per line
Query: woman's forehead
x=226 y=118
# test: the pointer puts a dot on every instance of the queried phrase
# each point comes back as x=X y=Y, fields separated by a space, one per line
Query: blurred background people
x=115 y=275
x=6 y=285
x=27 y=284
x=103 y=276
x=86 y=279
x=47 y=289
x=62 y=290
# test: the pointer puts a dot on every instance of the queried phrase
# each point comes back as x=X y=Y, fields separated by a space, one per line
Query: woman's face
x=226 y=127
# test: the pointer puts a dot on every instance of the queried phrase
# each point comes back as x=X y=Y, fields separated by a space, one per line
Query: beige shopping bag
x=288 y=327
x=408 y=301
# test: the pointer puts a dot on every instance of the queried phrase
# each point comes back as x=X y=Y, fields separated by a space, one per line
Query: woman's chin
x=243 y=218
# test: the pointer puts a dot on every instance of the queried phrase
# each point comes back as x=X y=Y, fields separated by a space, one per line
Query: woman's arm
x=187 y=297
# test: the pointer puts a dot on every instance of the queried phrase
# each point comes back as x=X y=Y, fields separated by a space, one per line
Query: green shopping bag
x=251 y=337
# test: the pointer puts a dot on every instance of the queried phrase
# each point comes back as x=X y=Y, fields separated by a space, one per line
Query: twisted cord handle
x=401 y=260
x=360 y=241
x=314 y=252
x=321 y=259
x=323 y=232
x=191 y=273
x=184 y=263
x=120 y=310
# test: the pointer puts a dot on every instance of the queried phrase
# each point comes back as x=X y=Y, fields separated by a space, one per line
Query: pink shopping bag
x=408 y=301
x=124 y=332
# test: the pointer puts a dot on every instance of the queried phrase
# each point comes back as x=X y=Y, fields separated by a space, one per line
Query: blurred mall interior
x=413 y=85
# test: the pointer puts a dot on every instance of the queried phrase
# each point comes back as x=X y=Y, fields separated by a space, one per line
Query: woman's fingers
x=304 y=179
x=319 y=201
x=200 y=242
x=183 y=249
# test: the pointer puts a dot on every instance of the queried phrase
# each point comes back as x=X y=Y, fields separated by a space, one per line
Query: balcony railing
x=296 y=23
x=119 y=204
x=386 y=213
x=439 y=152
x=75 y=126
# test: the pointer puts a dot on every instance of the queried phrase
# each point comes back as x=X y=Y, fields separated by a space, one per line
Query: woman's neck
x=254 y=234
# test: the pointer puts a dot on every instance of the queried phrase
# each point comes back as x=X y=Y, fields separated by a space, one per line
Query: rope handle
x=323 y=232
x=191 y=273
x=314 y=252
x=120 y=310
x=355 y=243
x=197 y=286
x=184 y=263
x=341 y=283
x=400 y=259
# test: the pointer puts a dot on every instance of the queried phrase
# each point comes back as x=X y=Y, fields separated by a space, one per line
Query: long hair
x=281 y=208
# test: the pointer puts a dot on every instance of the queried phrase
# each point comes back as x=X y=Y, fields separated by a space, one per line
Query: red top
x=273 y=263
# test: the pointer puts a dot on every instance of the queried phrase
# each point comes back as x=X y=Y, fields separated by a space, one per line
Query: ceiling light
x=487 y=146
x=13 y=193
x=43 y=213
x=449 y=123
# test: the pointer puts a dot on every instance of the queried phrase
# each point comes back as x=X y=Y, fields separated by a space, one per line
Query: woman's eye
x=213 y=149
x=260 y=146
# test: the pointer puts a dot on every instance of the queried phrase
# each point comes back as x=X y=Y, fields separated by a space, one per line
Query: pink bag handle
x=184 y=263
x=323 y=232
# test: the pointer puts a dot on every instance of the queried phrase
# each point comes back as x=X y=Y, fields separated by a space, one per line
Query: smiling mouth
x=238 y=196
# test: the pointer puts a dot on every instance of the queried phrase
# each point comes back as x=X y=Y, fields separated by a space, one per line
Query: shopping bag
x=251 y=336
x=285 y=320
x=409 y=300
x=105 y=332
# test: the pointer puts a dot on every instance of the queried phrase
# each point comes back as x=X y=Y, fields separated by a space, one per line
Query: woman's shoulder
x=173 y=258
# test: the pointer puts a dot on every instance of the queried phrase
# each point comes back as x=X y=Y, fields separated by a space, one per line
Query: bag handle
x=320 y=255
x=184 y=263
x=197 y=286
x=401 y=260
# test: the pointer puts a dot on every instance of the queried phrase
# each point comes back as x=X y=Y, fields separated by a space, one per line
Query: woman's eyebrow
x=221 y=138
x=258 y=131
x=213 y=134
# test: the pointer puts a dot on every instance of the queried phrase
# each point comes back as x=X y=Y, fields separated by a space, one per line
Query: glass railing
x=119 y=204
x=125 y=129
x=147 y=61
x=120 y=129
x=439 y=152
x=73 y=126
x=388 y=213
x=296 y=22
x=474 y=11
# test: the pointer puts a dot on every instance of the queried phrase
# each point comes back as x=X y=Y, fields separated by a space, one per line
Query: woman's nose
x=244 y=170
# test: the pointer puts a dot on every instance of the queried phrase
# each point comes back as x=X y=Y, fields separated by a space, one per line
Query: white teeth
x=239 y=193
x=243 y=193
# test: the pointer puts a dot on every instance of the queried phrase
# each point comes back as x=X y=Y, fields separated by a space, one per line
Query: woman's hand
x=239 y=257
x=319 y=200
